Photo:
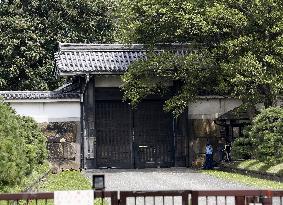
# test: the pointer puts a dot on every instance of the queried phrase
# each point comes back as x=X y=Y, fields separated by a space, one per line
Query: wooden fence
x=177 y=197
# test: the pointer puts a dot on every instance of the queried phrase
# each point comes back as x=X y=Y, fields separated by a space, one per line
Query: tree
x=31 y=29
x=243 y=146
x=253 y=54
x=22 y=147
x=266 y=134
x=263 y=139
x=241 y=39
x=194 y=73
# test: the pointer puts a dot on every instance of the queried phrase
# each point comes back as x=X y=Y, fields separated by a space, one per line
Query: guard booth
x=233 y=122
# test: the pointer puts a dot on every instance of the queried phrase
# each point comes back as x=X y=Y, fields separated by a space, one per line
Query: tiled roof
x=24 y=95
x=67 y=91
x=75 y=59
x=238 y=113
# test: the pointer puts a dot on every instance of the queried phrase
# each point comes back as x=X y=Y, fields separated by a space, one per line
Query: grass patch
x=67 y=180
x=255 y=165
x=277 y=169
x=247 y=180
x=64 y=181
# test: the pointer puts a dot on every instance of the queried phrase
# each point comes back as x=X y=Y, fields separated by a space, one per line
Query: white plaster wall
x=63 y=111
x=211 y=107
x=49 y=111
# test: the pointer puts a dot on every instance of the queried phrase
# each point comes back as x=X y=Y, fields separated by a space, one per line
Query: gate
x=126 y=138
x=153 y=135
x=113 y=134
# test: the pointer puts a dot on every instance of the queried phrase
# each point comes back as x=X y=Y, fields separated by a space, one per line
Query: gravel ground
x=165 y=179
x=161 y=179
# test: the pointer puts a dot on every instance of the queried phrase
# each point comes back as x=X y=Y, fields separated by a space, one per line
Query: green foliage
x=22 y=147
x=253 y=165
x=30 y=31
x=243 y=148
x=241 y=39
x=276 y=169
x=35 y=142
x=258 y=166
x=29 y=180
x=263 y=139
x=194 y=73
x=267 y=132
x=67 y=180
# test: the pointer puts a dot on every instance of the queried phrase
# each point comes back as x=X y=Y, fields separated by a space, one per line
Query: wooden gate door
x=113 y=134
x=153 y=132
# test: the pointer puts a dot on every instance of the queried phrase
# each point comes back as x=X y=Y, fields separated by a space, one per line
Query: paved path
x=162 y=179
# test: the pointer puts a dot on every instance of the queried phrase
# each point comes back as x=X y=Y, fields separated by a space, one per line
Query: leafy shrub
x=267 y=135
x=242 y=147
x=22 y=146
x=264 y=139
x=35 y=142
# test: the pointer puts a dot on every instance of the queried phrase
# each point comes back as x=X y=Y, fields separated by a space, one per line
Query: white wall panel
x=211 y=108
x=49 y=111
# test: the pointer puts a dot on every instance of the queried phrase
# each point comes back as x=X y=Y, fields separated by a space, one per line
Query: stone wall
x=63 y=142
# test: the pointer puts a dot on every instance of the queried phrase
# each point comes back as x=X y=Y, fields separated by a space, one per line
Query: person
x=228 y=152
x=208 y=164
x=221 y=150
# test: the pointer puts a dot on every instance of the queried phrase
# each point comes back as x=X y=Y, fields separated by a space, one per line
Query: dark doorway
x=153 y=134
x=113 y=134
x=139 y=138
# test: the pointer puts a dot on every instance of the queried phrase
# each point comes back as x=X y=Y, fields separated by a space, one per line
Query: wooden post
x=123 y=198
x=240 y=200
x=194 y=197
x=250 y=200
x=185 y=198
x=114 y=198
x=267 y=201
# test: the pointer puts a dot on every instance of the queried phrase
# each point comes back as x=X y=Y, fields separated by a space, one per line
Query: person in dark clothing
x=221 y=149
x=228 y=152
x=208 y=164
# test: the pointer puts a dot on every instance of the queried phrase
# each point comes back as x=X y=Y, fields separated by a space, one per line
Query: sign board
x=83 y=197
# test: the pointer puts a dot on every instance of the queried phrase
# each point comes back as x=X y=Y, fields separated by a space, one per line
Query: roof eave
x=116 y=47
x=90 y=73
x=45 y=100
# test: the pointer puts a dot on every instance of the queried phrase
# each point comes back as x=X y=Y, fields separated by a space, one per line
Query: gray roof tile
x=101 y=58
x=67 y=91
x=30 y=95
